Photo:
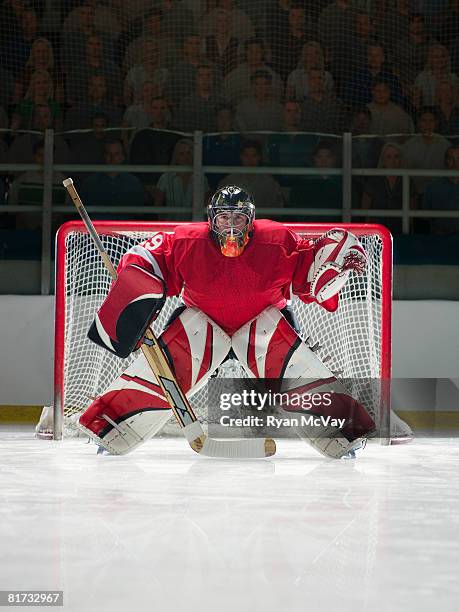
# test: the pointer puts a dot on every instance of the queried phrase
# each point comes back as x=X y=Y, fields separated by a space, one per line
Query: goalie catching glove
x=337 y=253
x=134 y=301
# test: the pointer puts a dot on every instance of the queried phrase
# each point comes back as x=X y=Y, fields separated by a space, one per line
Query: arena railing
x=347 y=213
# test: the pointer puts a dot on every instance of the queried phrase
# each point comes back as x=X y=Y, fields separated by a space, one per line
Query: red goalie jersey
x=232 y=290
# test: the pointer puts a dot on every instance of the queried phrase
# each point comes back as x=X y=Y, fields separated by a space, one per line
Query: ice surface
x=166 y=530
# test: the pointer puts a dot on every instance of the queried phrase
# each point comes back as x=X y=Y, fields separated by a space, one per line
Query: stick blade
x=239 y=449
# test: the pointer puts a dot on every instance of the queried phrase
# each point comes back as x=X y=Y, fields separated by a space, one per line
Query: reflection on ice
x=164 y=529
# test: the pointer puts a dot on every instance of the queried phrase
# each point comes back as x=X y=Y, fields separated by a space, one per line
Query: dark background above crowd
x=385 y=70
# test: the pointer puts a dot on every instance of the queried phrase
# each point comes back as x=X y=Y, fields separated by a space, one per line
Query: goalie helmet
x=231 y=214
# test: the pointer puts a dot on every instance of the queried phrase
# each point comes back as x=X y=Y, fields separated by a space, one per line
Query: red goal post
x=356 y=338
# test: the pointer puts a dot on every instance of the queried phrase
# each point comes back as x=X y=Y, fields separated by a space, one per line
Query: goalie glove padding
x=134 y=301
x=337 y=253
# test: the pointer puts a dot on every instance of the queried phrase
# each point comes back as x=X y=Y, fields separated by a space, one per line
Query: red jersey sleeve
x=157 y=256
x=305 y=259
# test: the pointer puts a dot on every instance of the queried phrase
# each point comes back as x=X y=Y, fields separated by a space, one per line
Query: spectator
x=258 y=14
x=183 y=75
x=312 y=56
x=28 y=189
x=335 y=22
x=41 y=57
x=291 y=148
x=81 y=19
x=426 y=150
x=432 y=9
x=437 y=69
x=76 y=32
x=354 y=56
x=11 y=12
x=264 y=188
x=154 y=145
x=335 y=27
x=97 y=102
x=148 y=70
x=137 y=116
x=177 y=19
x=447 y=109
x=176 y=188
x=410 y=52
x=286 y=50
x=321 y=112
x=277 y=14
x=386 y=192
x=2 y=198
x=152 y=29
x=113 y=188
x=240 y=25
x=7 y=88
x=221 y=149
x=21 y=149
x=103 y=19
x=443 y=194
x=454 y=50
x=365 y=149
x=39 y=93
x=89 y=148
x=221 y=47
x=261 y=111
x=321 y=190
x=358 y=91
x=387 y=117
x=197 y=111
x=448 y=24
x=237 y=84
x=3 y=146
x=392 y=22
x=94 y=62
x=18 y=43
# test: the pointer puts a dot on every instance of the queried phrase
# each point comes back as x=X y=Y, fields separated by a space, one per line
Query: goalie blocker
x=134 y=301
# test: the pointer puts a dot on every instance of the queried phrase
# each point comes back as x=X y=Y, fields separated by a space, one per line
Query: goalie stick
x=157 y=361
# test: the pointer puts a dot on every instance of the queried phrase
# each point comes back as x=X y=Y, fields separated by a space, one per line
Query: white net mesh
x=351 y=338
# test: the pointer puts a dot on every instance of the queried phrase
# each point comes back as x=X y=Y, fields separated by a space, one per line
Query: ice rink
x=166 y=530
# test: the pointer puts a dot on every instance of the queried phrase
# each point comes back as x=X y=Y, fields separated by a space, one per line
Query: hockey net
x=354 y=340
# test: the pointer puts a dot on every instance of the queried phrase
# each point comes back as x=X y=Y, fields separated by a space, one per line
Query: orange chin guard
x=232 y=246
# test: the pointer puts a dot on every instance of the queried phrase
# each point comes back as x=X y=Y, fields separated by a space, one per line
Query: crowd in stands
x=385 y=70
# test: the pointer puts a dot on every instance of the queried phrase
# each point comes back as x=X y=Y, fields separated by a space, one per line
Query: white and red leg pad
x=268 y=347
x=130 y=411
x=133 y=408
x=195 y=346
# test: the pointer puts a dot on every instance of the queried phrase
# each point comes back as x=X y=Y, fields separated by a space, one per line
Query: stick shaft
x=68 y=184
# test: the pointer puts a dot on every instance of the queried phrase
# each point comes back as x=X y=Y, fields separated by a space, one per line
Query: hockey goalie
x=235 y=275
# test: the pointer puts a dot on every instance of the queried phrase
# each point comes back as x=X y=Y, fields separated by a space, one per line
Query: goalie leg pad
x=129 y=412
x=268 y=347
x=134 y=408
x=195 y=346
x=134 y=301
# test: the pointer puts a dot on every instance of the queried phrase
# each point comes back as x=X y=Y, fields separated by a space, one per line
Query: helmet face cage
x=231 y=214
